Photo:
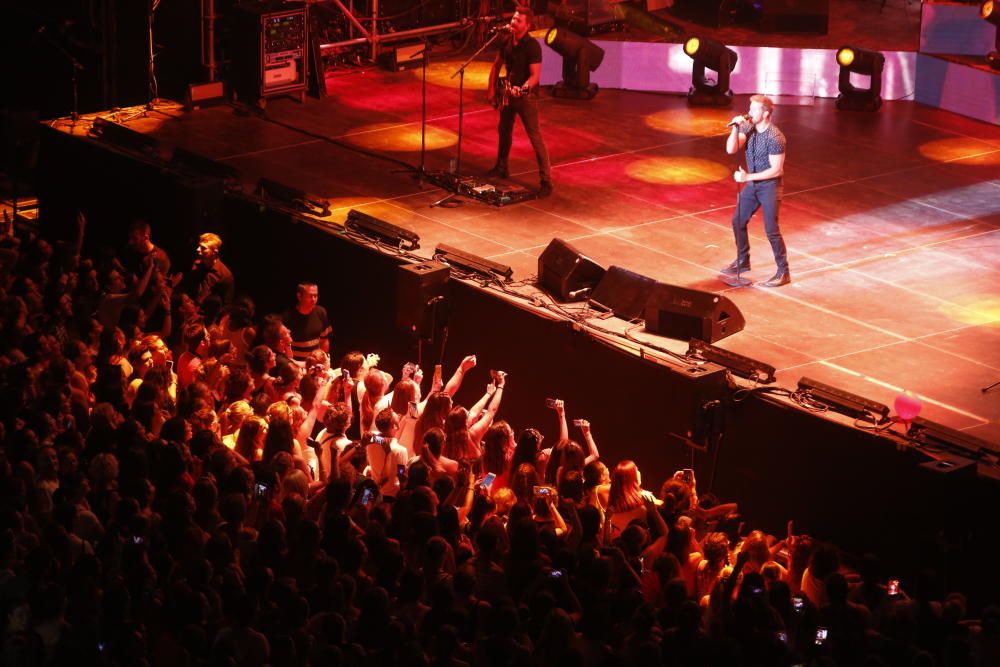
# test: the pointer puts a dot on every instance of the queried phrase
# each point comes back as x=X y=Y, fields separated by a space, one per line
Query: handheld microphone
x=501 y=28
x=734 y=123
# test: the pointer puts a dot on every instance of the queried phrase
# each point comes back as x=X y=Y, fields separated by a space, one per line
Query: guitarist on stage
x=517 y=95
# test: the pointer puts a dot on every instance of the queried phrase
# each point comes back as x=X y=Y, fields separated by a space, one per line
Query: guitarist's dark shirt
x=519 y=58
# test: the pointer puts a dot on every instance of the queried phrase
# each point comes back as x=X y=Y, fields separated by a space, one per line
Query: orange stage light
x=698 y=121
x=677 y=171
x=400 y=138
x=956 y=148
x=974 y=310
x=477 y=74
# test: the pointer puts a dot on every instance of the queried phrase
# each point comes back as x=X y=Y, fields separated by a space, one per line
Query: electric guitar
x=505 y=92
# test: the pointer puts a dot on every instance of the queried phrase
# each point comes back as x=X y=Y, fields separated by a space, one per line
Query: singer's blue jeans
x=765 y=195
x=527 y=108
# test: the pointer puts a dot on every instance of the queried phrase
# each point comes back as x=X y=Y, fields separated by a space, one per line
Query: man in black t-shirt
x=308 y=323
x=522 y=57
x=140 y=247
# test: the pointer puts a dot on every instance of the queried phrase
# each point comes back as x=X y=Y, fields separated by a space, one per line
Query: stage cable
x=331 y=140
x=869 y=422
x=680 y=357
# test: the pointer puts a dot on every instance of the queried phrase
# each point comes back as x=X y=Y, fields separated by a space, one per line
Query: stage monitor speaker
x=811 y=16
x=566 y=273
x=682 y=313
x=420 y=305
x=623 y=292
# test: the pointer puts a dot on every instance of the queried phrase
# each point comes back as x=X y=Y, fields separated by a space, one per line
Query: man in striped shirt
x=308 y=323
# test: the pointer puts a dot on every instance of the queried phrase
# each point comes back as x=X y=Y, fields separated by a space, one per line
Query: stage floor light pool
x=400 y=138
x=477 y=74
x=677 y=171
x=692 y=121
x=371 y=204
x=956 y=148
x=974 y=310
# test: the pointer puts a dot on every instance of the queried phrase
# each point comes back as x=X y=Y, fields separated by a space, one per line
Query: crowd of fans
x=185 y=481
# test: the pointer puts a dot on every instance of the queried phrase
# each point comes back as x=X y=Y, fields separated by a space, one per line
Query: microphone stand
x=152 y=88
x=738 y=280
x=425 y=54
x=75 y=67
x=456 y=178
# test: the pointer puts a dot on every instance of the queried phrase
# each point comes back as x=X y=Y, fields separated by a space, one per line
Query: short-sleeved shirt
x=762 y=144
x=307 y=331
x=520 y=57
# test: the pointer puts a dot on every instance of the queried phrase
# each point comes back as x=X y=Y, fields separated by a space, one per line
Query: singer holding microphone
x=521 y=55
x=762 y=186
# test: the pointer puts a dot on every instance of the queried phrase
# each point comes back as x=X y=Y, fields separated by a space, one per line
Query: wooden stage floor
x=892 y=219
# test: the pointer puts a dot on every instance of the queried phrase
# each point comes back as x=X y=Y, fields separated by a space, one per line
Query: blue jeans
x=527 y=108
x=764 y=195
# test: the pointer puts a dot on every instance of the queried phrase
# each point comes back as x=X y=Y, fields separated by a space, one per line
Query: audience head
x=626 y=487
x=209 y=246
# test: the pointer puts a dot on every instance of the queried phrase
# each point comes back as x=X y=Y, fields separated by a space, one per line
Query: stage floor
x=892 y=219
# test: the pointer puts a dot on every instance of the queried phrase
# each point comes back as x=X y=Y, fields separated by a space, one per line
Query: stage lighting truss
x=580 y=57
x=716 y=56
x=853 y=60
x=991 y=13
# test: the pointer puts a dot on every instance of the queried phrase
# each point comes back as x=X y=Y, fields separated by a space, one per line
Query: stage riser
x=957 y=87
x=954 y=28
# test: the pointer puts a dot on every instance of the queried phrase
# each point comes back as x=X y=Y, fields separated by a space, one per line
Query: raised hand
x=468 y=363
